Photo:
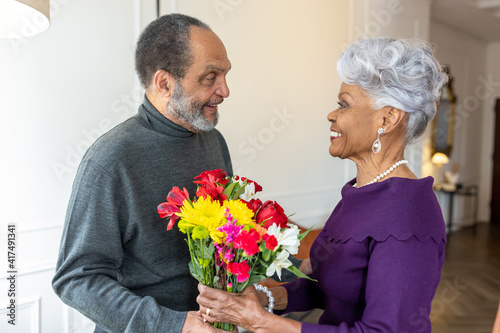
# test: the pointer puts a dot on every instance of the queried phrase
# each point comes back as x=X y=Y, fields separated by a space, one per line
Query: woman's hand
x=245 y=310
x=242 y=309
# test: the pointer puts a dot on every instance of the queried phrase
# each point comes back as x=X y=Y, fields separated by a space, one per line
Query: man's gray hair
x=164 y=44
x=396 y=72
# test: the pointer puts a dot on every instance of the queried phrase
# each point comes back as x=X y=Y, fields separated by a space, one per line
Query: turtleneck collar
x=160 y=123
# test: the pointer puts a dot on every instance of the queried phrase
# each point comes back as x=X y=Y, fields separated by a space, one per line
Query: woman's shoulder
x=397 y=207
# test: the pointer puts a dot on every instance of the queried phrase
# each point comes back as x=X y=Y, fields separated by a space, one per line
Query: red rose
x=254 y=205
x=211 y=177
x=271 y=212
x=239 y=269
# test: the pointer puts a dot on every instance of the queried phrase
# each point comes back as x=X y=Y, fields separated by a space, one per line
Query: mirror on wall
x=444 y=121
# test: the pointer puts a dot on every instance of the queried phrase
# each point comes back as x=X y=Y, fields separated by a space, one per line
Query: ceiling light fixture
x=23 y=18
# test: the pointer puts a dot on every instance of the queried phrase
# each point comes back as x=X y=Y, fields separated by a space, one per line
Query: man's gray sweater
x=117 y=263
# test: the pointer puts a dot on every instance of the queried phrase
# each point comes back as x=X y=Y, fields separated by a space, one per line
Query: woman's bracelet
x=269 y=294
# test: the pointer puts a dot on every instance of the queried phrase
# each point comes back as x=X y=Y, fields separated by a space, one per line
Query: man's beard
x=189 y=111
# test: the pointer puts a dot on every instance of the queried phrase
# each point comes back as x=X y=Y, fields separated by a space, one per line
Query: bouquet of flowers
x=234 y=239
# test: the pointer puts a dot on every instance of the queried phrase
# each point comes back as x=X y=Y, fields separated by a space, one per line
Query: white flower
x=249 y=193
x=280 y=262
x=288 y=239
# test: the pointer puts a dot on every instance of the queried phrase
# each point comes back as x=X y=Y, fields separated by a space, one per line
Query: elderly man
x=117 y=265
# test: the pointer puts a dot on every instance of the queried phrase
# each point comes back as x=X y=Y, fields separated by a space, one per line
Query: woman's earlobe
x=393 y=118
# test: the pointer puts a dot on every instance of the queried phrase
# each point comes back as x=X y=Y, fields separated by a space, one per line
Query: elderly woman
x=378 y=259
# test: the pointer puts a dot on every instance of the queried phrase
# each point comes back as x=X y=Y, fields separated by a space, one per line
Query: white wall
x=466 y=57
x=59 y=91
x=284 y=64
x=283 y=84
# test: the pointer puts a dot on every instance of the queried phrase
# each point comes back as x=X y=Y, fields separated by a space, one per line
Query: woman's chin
x=335 y=152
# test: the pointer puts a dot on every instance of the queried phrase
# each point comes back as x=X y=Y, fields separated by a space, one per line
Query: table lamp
x=439 y=159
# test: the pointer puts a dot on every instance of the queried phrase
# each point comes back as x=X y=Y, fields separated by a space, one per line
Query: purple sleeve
x=303 y=295
x=402 y=278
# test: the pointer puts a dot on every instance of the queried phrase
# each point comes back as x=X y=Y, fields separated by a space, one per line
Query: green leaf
x=193 y=272
x=296 y=271
x=261 y=270
x=304 y=234
x=229 y=189
x=239 y=192
x=208 y=251
x=254 y=278
x=265 y=264
x=266 y=254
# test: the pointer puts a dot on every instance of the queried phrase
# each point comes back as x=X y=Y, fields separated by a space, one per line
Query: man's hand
x=194 y=323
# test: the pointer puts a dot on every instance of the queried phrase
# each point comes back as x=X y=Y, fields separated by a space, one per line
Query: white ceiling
x=477 y=18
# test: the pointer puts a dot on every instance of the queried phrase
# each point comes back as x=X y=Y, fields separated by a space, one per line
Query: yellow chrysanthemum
x=240 y=212
x=205 y=213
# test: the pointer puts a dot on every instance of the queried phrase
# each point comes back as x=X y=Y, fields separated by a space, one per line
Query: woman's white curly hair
x=400 y=73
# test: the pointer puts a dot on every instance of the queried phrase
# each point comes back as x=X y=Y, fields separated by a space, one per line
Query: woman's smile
x=334 y=135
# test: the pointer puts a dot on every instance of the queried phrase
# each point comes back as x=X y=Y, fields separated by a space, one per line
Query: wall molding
x=75 y=322
x=49 y=265
x=33 y=305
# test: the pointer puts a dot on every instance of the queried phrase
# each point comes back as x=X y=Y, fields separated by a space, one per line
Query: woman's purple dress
x=377 y=261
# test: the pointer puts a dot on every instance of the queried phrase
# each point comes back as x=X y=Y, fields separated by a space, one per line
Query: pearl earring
x=377 y=145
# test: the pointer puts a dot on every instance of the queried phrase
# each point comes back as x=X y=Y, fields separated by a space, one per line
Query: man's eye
x=341 y=106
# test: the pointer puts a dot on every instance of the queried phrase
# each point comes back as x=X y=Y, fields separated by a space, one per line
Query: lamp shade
x=23 y=18
x=440 y=159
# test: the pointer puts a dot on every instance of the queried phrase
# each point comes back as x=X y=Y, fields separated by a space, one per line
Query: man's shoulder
x=117 y=140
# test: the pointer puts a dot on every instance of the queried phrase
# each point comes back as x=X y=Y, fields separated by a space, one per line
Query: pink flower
x=239 y=269
x=230 y=228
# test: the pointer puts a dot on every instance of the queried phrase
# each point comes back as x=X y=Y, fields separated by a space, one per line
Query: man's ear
x=393 y=117
x=163 y=83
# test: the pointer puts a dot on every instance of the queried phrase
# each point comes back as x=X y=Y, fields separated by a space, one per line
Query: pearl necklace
x=383 y=174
